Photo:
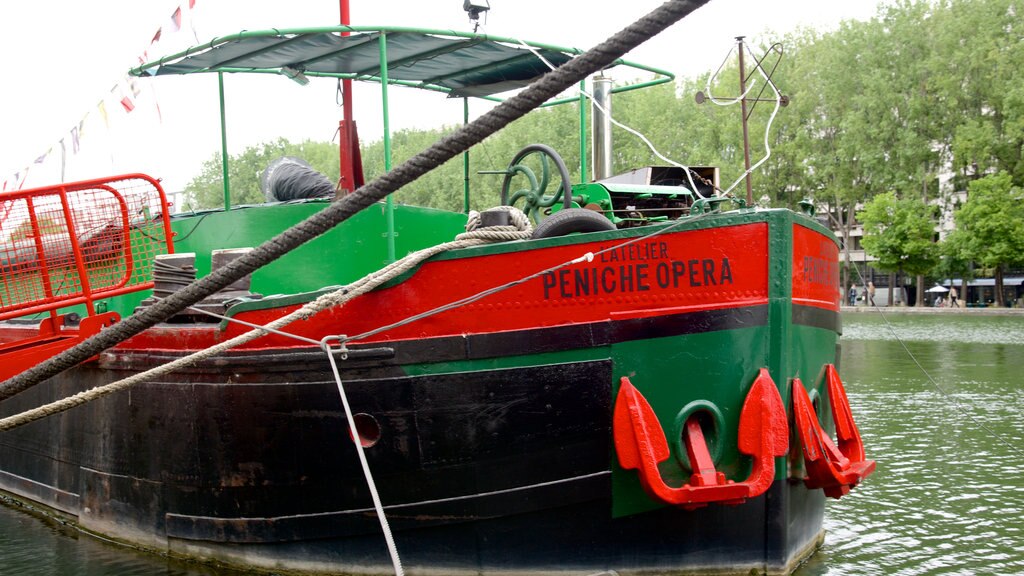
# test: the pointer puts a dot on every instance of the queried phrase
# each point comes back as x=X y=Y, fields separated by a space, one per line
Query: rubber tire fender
x=570 y=221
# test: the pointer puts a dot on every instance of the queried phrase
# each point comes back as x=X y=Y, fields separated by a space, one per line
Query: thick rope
x=472 y=237
x=445 y=149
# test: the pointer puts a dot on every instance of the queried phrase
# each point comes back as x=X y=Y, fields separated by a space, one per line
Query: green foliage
x=990 y=225
x=899 y=233
x=954 y=261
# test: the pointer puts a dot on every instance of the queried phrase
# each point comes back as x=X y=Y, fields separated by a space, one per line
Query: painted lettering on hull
x=815 y=269
x=637 y=277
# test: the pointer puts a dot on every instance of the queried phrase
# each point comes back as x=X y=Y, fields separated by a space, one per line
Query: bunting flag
x=175 y=23
x=126 y=101
x=102 y=107
x=120 y=94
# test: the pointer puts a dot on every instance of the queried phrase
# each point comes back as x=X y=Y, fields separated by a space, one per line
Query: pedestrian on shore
x=852 y=297
x=952 y=298
x=871 y=293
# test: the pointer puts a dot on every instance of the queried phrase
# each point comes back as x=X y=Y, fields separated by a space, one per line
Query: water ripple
x=948 y=495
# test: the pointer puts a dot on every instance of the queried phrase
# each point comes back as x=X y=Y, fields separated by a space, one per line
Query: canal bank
x=932 y=310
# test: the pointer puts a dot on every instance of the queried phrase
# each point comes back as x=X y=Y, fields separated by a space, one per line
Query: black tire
x=570 y=221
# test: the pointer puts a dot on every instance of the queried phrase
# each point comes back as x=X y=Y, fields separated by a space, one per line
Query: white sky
x=61 y=58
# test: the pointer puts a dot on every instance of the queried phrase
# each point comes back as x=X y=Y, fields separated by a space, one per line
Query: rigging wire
x=686 y=169
x=389 y=539
x=771 y=119
x=776 y=47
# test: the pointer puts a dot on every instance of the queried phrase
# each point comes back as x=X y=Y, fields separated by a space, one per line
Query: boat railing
x=76 y=243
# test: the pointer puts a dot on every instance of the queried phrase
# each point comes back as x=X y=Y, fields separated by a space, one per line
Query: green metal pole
x=389 y=207
x=465 y=160
x=224 y=144
x=583 y=133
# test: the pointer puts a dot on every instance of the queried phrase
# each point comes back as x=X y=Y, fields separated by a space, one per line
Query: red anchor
x=640 y=444
x=834 y=468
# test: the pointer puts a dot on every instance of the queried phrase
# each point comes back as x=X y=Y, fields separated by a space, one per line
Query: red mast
x=350 y=161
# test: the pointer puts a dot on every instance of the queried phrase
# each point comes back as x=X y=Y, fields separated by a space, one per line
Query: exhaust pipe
x=602 y=127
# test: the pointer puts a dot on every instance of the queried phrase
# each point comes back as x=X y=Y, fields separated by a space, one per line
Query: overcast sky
x=62 y=58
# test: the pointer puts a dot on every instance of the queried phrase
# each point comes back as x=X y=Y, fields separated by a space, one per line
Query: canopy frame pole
x=224 y=143
x=389 y=207
x=583 y=133
x=465 y=159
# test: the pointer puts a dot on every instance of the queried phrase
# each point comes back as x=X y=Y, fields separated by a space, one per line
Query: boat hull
x=489 y=429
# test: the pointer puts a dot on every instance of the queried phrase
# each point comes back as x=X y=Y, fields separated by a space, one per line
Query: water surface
x=939 y=401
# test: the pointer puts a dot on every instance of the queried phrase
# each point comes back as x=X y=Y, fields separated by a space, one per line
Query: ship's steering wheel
x=534 y=196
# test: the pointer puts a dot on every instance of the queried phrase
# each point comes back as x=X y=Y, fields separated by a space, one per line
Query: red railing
x=75 y=243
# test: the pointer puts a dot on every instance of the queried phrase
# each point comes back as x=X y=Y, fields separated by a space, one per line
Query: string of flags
x=123 y=99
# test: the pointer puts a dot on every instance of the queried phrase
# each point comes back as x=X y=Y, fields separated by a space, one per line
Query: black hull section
x=578 y=538
x=503 y=470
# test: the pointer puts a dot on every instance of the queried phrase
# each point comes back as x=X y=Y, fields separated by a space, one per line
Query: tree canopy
x=900 y=233
x=990 y=226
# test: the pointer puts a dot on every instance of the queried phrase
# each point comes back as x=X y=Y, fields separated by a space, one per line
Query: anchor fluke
x=640 y=444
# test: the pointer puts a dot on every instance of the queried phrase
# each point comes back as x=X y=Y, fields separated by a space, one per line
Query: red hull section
x=717 y=268
x=815 y=269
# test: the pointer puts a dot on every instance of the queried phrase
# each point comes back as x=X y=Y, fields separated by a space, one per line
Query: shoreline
x=988 y=311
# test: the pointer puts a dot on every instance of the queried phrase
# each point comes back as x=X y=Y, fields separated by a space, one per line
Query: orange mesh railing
x=75 y=243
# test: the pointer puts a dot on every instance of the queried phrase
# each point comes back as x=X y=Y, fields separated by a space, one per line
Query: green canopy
x=461 y=64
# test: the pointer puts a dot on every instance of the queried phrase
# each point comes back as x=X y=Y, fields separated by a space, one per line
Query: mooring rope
x=548 y=86
x=389 y=539
x=520 y=229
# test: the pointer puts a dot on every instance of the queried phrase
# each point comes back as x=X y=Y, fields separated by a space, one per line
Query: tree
x=899 y=233
x=981 y=41
x=990 y=226
x=954 y=260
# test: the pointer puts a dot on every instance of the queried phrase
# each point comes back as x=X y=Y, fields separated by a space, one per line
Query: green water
x=948 y=495
x=947 y=498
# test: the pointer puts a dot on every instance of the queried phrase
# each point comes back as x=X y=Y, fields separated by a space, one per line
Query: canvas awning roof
x=459 y=63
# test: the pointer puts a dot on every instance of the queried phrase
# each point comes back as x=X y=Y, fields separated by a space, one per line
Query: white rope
x=396 y=562
x=472 y=237
x=771 y=119
x=711 y=78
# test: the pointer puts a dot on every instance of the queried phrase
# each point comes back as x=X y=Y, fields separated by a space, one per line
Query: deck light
x=295 y=74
